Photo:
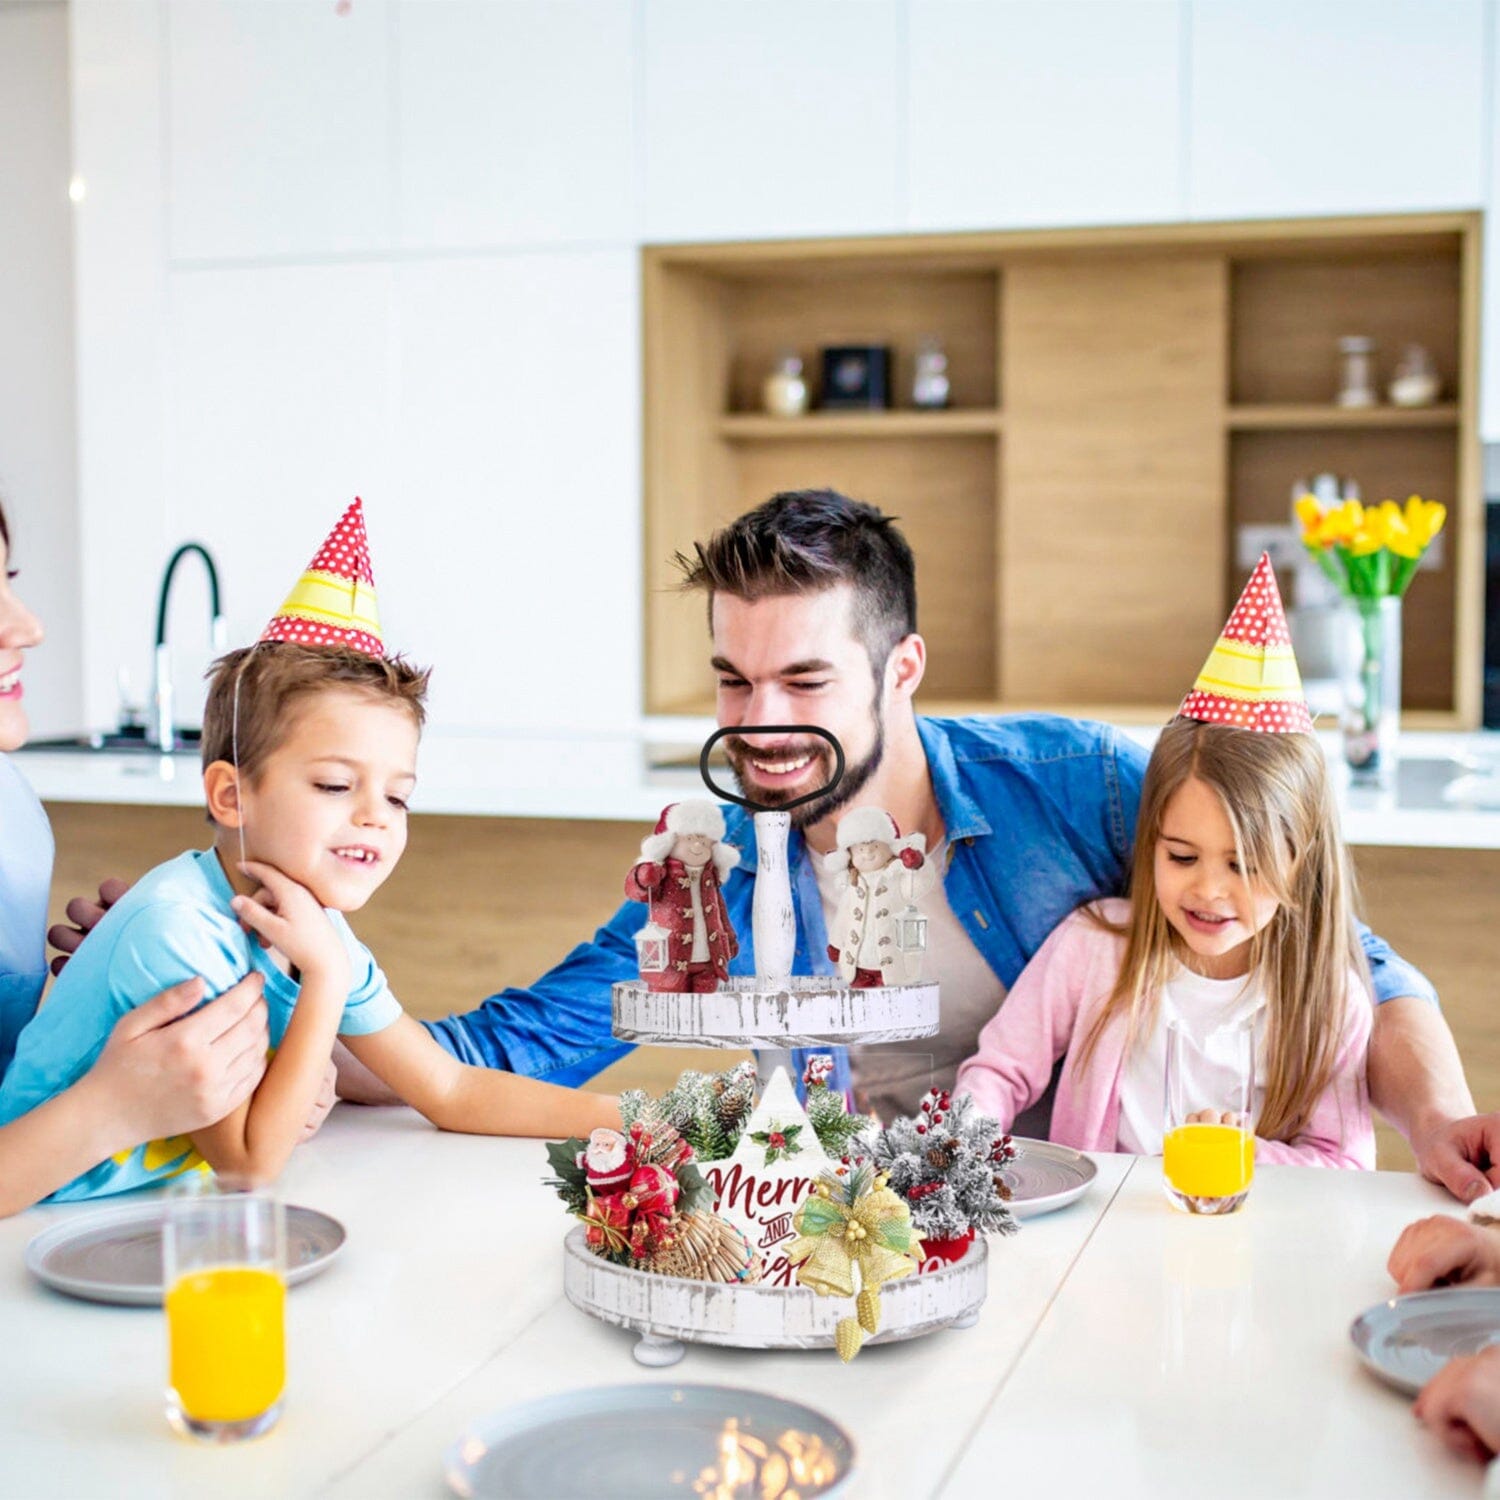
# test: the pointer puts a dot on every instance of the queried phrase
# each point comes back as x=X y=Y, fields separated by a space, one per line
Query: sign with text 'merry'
x=774 y=1167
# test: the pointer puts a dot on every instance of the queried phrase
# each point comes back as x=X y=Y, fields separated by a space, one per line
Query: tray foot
x=658 y=1353
x=968 y=1320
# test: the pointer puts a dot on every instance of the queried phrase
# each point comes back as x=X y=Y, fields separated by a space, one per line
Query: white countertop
x=1448 y=795
x=1125 y=1348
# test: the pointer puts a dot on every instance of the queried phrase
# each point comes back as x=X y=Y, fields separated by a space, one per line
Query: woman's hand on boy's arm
x=476 y=1101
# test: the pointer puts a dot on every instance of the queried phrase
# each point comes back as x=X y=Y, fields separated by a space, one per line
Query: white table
x=1125 y=1349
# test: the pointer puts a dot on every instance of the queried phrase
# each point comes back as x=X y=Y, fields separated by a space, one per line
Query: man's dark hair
x=802 y=541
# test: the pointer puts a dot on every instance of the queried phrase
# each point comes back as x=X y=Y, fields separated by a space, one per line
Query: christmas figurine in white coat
x=688 y=941
x=879 y=933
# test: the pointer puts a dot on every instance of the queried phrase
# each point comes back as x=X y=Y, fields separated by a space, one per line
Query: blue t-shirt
x=25 y=878
x=174 y=923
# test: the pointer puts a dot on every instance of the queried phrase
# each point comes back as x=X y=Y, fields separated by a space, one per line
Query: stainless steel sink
x=117 y=742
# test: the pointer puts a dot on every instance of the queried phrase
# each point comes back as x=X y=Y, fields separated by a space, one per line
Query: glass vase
x=1370 y=672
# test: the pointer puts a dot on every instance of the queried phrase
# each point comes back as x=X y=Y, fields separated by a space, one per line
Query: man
x=812 y=615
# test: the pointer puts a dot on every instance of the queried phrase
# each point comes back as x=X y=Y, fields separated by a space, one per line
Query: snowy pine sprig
x=946 y=1161
x=709 y=1110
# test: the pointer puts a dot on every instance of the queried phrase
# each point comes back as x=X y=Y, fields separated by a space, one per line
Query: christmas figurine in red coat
x=682 y=867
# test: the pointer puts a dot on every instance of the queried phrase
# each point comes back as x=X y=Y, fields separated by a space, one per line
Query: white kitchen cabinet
x=515 y=122
x=518 y=574
x=1036 y=113
x=773 y=119
x=278 y=128
x=281 y=413
x=1322 y=107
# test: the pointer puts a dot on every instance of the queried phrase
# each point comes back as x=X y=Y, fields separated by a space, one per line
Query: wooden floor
x=481 y=903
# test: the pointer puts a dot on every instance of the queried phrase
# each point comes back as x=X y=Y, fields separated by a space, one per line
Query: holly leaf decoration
x=779 y=1141
x=569 y=1180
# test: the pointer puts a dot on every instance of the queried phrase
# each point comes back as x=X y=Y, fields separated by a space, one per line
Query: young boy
x=309 y=752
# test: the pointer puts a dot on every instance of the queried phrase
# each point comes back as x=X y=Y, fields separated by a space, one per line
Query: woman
x=163 y=1071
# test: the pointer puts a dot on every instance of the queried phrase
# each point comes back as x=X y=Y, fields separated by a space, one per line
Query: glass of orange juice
x=223 y=1253
x=1208 y=1143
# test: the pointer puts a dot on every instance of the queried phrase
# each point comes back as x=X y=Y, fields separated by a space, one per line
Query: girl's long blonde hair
x=1275 y=791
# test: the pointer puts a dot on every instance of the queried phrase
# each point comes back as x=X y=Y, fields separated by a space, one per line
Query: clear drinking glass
x=224 y=1258
x=1208 y=1147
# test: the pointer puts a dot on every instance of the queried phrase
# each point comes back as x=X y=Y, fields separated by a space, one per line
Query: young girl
x=1240 y=907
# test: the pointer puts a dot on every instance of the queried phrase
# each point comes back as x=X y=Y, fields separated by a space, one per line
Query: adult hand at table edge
x=1442 y=1250
x=356 y=1084
x=1461 y=1155
x=327 y=1097
x=1461 y=1404
x=85 y=914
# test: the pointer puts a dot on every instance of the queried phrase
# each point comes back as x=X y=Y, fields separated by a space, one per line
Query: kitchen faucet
x=164 y=731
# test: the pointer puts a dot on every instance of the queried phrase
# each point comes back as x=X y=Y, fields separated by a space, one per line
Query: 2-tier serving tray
x=769 y=1012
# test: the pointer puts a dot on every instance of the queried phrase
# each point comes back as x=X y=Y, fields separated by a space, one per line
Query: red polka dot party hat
x=333 y=603
x=1250 y=680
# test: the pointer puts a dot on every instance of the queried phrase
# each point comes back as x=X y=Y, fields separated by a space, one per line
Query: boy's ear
x=221 y=791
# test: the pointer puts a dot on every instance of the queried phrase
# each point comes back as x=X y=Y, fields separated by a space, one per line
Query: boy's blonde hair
x=272 y=676
x=1275 y=790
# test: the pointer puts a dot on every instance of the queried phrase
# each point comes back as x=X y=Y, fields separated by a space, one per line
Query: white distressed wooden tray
x=805 y=1010
x=668 y=1311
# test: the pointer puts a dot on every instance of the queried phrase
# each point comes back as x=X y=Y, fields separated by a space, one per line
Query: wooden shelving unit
x=750 y=427
x=1286 y=418
x=1123 y=401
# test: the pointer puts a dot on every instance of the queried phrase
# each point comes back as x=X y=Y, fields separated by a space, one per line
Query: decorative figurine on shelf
x=929 y=386
x=687 y=942
x=881 y=933
x=783 y=393
x=1357 y=372
x=1415 y=381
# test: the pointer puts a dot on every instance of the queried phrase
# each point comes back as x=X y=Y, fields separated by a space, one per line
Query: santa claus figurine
x=682 y=867
x=887 y=876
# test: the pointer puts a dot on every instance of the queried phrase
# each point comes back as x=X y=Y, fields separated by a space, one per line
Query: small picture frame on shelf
x=856 y=377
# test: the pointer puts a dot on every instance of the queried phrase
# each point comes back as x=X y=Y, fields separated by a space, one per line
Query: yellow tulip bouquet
x=1371 y=553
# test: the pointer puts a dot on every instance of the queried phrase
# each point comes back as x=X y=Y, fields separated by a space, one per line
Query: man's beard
x=856 y=775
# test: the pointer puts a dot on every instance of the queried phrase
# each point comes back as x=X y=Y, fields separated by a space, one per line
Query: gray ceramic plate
x=618 y=1442
x=1407 y=1340
x=1044 y=1177
x=114 y=1254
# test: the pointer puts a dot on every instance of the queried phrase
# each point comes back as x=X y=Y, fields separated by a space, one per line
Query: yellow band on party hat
x=1238 y=672
x=333 y=603
x=1250 y=680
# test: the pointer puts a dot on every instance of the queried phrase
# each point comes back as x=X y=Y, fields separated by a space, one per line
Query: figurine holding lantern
x=688 y=941
x=879 y=934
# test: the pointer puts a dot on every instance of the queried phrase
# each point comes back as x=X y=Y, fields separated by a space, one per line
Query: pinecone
x=1002 y=1189
x=848 y=1337
x=942 y=1154
x=867 y=1305
x=705 y=1248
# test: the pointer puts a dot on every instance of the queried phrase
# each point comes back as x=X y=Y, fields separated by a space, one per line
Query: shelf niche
x=1123 y=400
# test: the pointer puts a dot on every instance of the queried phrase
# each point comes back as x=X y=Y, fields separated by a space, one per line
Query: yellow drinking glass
x=224 y=1257
x=1208 y=1144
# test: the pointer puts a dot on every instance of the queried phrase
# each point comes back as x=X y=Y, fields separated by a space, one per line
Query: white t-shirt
x=1203 y=1006
x=891 y=1079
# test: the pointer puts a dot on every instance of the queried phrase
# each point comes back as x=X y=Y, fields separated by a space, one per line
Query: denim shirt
x=1039 y=812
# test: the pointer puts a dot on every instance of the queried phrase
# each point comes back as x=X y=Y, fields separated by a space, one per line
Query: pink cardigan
x=1048 y=1013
